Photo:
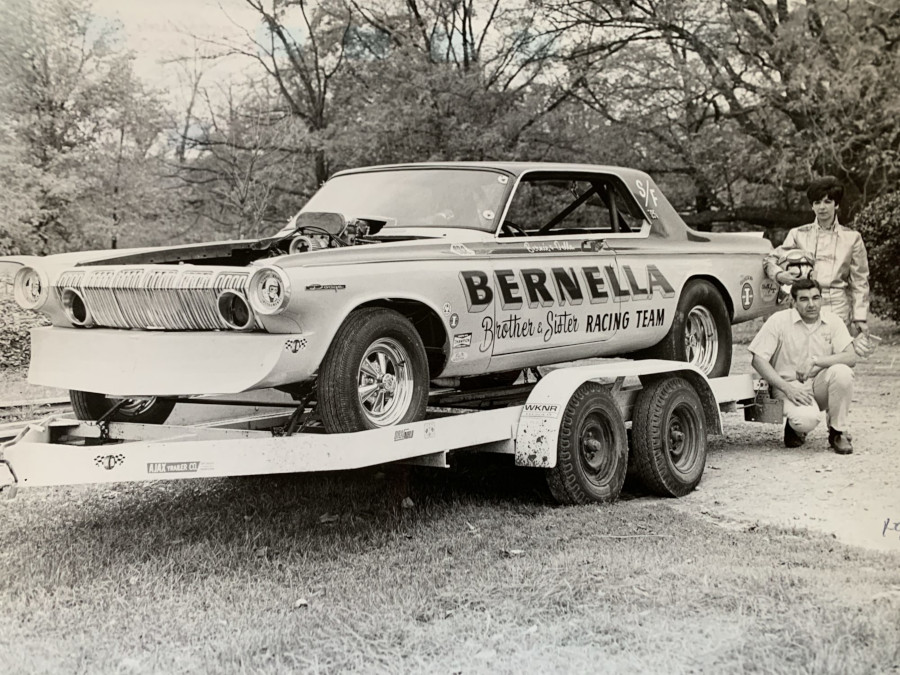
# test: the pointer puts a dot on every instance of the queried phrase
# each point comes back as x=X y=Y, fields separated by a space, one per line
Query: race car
x=389 y=278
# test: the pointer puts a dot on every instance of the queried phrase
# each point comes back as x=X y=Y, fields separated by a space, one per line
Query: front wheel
x=592 y=449
x=375 y=373
x=668 y=435
x=144 y=410
x=700 y=332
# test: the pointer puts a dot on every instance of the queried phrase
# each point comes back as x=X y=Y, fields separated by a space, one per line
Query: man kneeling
x=806 y=355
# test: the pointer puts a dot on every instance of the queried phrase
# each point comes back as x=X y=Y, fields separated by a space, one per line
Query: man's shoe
x=792 y=439
x=839 y=442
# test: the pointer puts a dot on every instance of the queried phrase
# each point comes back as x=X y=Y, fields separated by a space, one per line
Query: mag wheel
x=592 y=449
x=668 y=436
x=375 y=373
x=700 y=332
x=141 y=410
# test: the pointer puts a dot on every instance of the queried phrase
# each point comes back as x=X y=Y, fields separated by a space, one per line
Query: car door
x=556 y=282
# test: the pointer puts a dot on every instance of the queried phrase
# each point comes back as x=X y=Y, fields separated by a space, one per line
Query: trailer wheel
x=374 y=374
x=592 y=449
x=668 y=435
x=144 y=410
x=700 y=332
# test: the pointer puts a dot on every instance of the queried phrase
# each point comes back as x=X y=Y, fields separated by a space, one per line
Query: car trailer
x=582 y=424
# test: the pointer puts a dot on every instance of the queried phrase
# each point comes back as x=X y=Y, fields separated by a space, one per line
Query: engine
x=317 y=230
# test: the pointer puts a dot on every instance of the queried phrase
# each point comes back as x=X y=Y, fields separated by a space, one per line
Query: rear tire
x=374 y=374
x=668 y=435
x=90 y=406
x=700 y=332
x=592 y=449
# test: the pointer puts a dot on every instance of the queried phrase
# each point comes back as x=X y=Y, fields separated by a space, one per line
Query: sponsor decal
x=173 y=467
x=503 y=180
x=326 y=287
x=768 y=290
x=403 y=434
x=461 y=249
x=462 y=340
x=454 y=320
x=295 y=345
x=541 y=410
x=746 y=296
x=647 y=191
x=429 y=430
x=549 y=247
x=109 y=462
x=459 y=356
x=447 y=308
x=539 y=287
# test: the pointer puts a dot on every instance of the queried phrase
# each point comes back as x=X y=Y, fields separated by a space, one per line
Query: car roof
x=513 y=168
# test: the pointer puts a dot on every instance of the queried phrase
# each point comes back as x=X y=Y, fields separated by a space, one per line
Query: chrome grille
x=154 y=297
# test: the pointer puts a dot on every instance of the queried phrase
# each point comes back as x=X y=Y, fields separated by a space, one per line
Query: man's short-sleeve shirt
x=791 y=341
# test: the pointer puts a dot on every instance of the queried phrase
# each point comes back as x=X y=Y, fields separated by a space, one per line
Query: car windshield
x=439 y=198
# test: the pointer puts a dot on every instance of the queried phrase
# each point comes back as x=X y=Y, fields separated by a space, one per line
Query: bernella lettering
x=539 y=287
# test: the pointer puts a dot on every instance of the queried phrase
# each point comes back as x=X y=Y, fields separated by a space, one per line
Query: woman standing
x=841 y=265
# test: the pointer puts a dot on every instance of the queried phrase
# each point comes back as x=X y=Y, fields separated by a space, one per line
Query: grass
x=481 y=574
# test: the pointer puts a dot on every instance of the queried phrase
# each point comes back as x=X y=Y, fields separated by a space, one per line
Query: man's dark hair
x=803 y=285
x=826 y=186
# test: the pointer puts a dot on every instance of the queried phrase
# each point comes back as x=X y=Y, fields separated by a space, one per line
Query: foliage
x=879 y=225
x=15 y=340
x=76 y=120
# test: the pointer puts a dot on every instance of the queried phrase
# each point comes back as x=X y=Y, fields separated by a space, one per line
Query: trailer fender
x=539 y=424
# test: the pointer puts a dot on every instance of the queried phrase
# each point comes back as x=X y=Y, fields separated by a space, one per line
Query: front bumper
x=150 y=363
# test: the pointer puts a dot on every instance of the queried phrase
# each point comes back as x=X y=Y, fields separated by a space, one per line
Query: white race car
x=391 y=277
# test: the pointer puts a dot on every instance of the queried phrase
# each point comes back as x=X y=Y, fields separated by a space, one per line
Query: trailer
x=582 y=424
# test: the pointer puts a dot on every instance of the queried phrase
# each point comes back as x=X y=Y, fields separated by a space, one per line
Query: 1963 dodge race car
x=391 y=277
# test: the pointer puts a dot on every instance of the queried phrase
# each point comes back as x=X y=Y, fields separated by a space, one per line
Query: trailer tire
x=353 y=393
x=90 y=406
x=700 y=332
x=668 y=435
x=592 y=449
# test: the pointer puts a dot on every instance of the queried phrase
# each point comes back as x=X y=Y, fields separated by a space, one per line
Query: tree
x=745 y=101
x=76 y=116
x=879 y=225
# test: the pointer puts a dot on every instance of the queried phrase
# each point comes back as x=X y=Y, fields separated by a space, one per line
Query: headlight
x=269 y=290
x=30 y=288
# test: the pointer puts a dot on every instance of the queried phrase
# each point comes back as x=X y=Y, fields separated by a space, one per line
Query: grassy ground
x=478 y=573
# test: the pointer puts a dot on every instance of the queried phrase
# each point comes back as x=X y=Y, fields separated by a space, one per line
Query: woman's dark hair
x=803 y=285
x=826 y=186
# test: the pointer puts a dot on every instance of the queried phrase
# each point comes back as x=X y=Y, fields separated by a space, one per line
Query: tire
x=700 y=332
x=592 y=449
x=374 y=374
x=504 y=378
x=90 y=406
x=668 y=435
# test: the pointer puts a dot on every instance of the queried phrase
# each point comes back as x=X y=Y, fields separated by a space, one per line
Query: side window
x=556 y=205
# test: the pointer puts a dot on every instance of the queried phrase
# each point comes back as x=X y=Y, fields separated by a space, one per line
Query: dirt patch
x=751 y=478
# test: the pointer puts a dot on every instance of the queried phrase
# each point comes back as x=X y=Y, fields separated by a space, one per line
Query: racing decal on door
x=535 y=307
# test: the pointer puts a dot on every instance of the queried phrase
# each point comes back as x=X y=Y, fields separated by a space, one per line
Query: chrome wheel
x=385 y=382
x=701 y=339
x=133 y=406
